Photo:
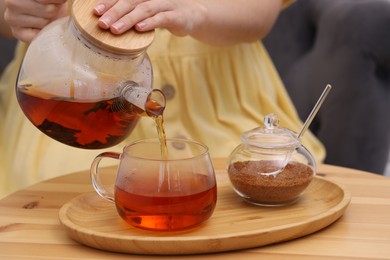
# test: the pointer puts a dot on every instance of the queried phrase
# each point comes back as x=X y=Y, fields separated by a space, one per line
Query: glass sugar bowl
x=270 y=167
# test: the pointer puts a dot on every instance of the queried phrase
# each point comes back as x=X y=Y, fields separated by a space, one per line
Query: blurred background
x=7 y=47
x=345 y=43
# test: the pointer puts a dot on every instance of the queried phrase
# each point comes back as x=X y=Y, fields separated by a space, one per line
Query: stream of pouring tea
x=155 y=110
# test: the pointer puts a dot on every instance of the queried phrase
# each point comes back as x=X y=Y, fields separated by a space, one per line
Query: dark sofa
x=345 y=43
x=7 y=47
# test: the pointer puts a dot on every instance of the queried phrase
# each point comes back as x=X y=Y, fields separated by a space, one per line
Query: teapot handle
x=95 y=177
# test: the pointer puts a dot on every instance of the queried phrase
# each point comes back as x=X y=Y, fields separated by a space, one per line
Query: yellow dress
x=213 y=95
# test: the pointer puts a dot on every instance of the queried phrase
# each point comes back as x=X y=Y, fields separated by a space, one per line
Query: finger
x=32 y=8
x=103 y=5
x=21 y=20
x=116 y=12
x=25 y=34
x=160 y=14
x=140 y=13
x=47 y=11
x=159 y=20
x=51 y=1
x=125 y=23
x=167 y=20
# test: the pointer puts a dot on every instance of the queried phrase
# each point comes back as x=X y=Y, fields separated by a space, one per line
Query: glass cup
x=176 y=193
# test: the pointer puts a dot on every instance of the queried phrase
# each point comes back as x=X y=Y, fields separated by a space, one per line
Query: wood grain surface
x=30 y=226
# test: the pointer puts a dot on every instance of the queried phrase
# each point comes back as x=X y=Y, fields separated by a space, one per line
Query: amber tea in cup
x=170 y=194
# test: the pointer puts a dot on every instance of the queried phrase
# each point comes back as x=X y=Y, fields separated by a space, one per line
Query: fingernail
x=99 y=9
x=118 y=26
x=140 y=25
x=106 y=20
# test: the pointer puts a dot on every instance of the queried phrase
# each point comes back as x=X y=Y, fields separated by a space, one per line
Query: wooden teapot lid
x=130 y=42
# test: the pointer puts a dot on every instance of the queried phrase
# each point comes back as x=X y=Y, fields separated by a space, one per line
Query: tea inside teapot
x=88 y=124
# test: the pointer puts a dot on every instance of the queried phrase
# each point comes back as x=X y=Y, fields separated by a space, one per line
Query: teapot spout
x=151 y=101
x=155 y=104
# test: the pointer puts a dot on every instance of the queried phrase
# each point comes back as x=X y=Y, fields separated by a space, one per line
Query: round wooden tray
x=234 y=225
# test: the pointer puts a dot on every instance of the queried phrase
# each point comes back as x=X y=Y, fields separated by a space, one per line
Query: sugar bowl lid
x=130 y=42
x=271 y=136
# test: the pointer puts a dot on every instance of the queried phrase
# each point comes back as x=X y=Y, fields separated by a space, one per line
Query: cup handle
x=95 y=177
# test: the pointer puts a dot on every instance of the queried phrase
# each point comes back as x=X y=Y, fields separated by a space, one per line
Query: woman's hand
x=27 y=17
x=178 y=16
x=218 y=22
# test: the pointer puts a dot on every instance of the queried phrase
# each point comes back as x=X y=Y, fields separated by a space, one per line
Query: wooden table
x=30 y=228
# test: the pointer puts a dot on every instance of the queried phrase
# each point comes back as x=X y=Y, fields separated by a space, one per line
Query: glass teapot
x=270 y=167
x=84 y=86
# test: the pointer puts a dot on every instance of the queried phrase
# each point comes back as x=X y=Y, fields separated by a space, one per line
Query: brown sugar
x=282 y=188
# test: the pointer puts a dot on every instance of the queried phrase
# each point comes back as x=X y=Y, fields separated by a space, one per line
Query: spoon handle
x=315 y=110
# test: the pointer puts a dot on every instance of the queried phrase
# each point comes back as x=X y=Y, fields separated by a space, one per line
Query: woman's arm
x=219 y=22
